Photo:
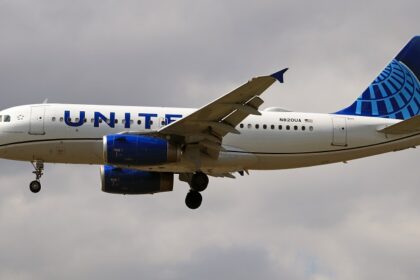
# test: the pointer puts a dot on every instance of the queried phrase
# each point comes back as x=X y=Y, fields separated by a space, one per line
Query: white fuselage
x=274 y=140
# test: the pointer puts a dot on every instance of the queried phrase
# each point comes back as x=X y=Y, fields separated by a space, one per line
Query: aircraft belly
x=296 y=160
x=74 y=151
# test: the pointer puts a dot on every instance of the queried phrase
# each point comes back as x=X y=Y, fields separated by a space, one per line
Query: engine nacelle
x=129 y=181
x=138 y=150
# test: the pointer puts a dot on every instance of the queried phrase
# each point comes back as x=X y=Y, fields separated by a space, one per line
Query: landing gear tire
x=193 y=199
x=199 y=182
x=35 y=186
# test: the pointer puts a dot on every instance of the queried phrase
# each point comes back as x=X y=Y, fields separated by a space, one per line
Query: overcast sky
x=355 y=221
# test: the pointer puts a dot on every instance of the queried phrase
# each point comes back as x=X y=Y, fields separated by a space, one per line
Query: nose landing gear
x=35 y=186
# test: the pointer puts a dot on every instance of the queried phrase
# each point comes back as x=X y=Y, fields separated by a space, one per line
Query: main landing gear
x=35 y=186
x=198 y=182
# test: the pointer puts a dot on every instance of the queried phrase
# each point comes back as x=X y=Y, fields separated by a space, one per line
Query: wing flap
x=246 y=109
x=239 y=115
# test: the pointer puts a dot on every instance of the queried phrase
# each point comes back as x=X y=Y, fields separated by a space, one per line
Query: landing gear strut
x=35 y=186
x=198 y=182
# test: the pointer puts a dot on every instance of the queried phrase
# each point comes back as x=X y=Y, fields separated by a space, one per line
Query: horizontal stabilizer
x=405 y=127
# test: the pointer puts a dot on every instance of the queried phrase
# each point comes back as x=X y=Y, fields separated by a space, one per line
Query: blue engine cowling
x=138 y=150
x=129 y=181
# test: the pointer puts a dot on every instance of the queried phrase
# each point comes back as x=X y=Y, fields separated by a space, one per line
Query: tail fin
x=395 y=93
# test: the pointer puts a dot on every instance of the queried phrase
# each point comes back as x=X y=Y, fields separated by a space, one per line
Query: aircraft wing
x=208 y=125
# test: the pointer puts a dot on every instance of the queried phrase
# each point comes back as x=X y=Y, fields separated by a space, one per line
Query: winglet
x=279 y=75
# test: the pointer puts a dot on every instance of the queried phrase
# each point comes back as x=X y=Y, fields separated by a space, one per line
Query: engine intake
x=139 y=150
x=129 y=181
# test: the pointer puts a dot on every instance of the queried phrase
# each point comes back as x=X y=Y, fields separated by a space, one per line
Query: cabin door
x=37 y=120
x=339 y=131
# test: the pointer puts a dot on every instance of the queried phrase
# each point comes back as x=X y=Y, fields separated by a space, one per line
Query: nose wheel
x=35 y=186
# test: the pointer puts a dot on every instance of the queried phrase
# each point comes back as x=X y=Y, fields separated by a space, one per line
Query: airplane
x=140 y=149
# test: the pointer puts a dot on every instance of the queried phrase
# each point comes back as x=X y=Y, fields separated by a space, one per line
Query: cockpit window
x=6 y=118
x=1 y=118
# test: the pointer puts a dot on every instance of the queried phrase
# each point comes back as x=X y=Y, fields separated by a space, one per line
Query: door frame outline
x=31 y=120
x=343 y=126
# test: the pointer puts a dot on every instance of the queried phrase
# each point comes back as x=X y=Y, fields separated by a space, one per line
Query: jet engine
x=139 y=150
x=129 y=181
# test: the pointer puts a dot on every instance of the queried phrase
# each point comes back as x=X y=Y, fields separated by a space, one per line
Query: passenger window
x=116 y=121
x=61 y=119
x=257 y=126
x=242 y=125
x=311 y=128
x=272 y=126
x=249 y=125
x=265 y=126
x=162 y=122
x=7 y=118
x=139 y=122
x=303 y=128
x=280 y=127
x=53 y=119
x=287 y=127
x=295 y=127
